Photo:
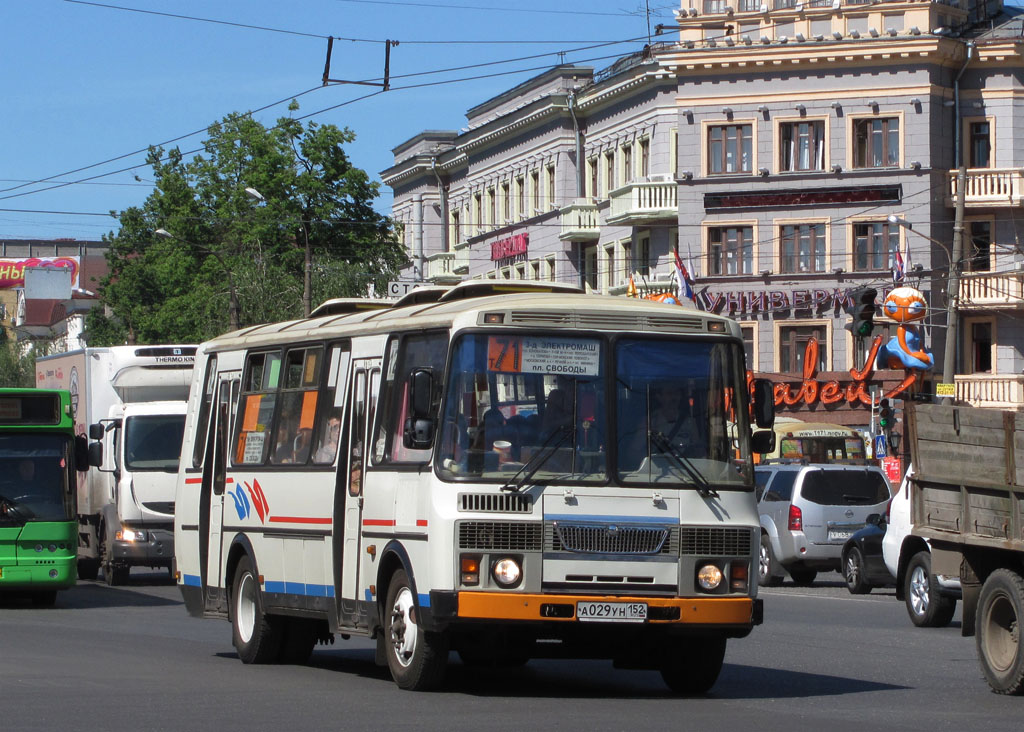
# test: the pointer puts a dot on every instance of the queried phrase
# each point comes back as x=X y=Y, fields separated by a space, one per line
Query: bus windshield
x=153 y=442
x=34 y=478
x=536 y=408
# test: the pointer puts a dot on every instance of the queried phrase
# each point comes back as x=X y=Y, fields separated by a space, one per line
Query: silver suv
x=809 y=511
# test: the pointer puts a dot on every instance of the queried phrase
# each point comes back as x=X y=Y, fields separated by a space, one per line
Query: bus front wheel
x=692 y=665
x=417 y=658
x=257 y=636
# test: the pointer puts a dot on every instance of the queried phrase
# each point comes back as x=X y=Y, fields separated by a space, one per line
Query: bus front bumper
x=737 y=614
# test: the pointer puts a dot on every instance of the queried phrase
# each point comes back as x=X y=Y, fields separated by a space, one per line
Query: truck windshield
x=153 y=442
x=525 y=408
x=34 y=473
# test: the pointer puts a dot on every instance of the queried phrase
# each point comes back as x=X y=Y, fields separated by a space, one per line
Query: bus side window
x=427 y=351
x=329 y=427
x=256 y=406
x=199 y=447
x=357 y=431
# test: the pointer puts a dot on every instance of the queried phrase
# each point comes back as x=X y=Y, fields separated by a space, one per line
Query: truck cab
x=137 y=446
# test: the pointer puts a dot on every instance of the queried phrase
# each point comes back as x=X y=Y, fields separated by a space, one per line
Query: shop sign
x=510 y=248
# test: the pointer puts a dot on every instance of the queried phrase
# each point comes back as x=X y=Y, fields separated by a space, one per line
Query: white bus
x=523 y=472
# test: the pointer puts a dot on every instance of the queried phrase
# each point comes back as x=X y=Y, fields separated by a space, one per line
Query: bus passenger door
x=227 y=390
x=362 y=397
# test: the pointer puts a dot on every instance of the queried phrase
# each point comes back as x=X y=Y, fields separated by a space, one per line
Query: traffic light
x=862 y=311
x=885 y=420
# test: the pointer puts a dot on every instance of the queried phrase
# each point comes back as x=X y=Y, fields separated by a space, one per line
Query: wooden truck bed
x=968 y=480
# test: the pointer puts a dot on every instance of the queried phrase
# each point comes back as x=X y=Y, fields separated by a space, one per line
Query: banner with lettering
x=12 y=271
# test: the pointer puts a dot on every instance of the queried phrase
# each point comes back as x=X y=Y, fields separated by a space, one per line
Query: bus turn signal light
x=470 y=564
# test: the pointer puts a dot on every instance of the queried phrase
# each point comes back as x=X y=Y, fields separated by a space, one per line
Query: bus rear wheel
x=417 y=658
x=692 y=665
x=997 y=629
x=257 y=637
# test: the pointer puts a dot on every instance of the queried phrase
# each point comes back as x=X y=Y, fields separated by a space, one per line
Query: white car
x=931 y=599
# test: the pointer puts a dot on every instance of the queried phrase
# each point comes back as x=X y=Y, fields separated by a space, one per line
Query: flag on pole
x=683 y=279
x=899 y=271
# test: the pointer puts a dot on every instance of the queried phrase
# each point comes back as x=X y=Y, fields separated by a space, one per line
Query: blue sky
x=85 y=83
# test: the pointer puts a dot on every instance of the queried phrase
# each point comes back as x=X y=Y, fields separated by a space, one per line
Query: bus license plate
x=611 y=612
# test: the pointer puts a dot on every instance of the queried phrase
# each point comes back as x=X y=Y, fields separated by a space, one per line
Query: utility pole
x=953 y=284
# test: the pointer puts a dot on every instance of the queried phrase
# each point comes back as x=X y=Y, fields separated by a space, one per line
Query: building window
x=803 y=248
x=592 y=176
x=730 y=149
x=875 y=245
x=492 y=207
x=535 y=183
x=893 y=22
x=611 y=278
x=784 y=30
x=822 y=26
x=479 y=215
x=876 y=142
x=749 y=334
x=456 y=229
x=731 y=250
x=979 y=247
x=521 y=197
x=551 y=186
x=551 y=269
x=506 y=204
x=645 y=157
x=802 y=145
x=627 y=164
x=588 y=267
x=642 y=262
x=980 y=340
x=980 y=145
x=793 y=347
x=535 y=271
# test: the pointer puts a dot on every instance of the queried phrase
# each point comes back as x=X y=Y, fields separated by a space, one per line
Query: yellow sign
x=945 y=390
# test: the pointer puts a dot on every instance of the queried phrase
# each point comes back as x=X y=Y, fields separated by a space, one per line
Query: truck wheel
x=997 y=628
x=88 y=569
x=767 y=574
x=692 y=665
x=853 y=572
x=256 y=636
x=417 y=658
x=925 y=604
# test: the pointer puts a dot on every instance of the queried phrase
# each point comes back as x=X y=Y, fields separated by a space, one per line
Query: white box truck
x=131 y=401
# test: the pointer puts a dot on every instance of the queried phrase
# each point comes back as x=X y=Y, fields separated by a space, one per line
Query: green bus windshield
x=34 y=478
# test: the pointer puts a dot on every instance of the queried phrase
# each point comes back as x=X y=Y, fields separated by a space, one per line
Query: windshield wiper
x=538 y=458
x=667 y=448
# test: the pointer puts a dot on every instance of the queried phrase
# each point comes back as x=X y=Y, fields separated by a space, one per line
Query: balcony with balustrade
x=462 y=252
x=989 y=188
x=992 y=391
x=992 y=291
x=644 y=201
x=441 y=269
x=580 y=221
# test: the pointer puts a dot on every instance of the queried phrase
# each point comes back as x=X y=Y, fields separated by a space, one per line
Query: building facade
x=788 y=150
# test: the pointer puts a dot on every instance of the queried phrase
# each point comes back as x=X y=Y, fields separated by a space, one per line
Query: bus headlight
x=709 y=577
x=507 y=572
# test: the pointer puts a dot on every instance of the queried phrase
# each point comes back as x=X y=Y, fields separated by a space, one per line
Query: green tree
x=177 y=287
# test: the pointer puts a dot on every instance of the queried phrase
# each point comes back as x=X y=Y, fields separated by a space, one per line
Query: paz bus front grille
x=586 y=538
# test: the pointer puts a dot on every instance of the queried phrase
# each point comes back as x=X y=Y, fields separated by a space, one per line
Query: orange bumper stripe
x=692 y=610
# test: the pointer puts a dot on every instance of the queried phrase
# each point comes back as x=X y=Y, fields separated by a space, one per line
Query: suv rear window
x=844 y=487
x=781 y=488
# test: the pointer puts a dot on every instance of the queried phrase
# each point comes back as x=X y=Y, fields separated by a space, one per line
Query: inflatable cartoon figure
x=905 y=349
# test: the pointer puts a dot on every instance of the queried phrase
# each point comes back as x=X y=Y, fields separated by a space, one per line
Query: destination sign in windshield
x=526 y=355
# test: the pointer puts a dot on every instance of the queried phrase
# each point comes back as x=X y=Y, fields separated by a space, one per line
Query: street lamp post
x=232 y=294
x=952 y=294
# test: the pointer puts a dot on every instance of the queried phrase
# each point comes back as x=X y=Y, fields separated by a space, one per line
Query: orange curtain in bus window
x=250 y=423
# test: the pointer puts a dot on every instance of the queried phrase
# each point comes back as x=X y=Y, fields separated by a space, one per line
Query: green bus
x=39 y=454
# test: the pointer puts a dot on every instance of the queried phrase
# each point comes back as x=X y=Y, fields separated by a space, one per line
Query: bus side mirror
x=96 y=431
x=762 y=441
x=764 y=403
x=418 y=430
x=81 y=453
x=95 y=458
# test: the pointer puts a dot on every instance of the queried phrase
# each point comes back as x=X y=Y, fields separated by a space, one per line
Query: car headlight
x=130 y=535
x=709 y=577
x=507 y=572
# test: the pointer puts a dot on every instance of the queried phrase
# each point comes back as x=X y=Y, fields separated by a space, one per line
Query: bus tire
x=997 y=631
x=44 y=598
x=257 y=637
x=416 y=658
x=927 y=607
x=692 y=665
x=298 y=636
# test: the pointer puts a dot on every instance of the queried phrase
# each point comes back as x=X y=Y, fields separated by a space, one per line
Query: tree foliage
x=178 y=289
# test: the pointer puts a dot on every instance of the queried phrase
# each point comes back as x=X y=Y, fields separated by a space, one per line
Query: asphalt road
x=130 y=658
